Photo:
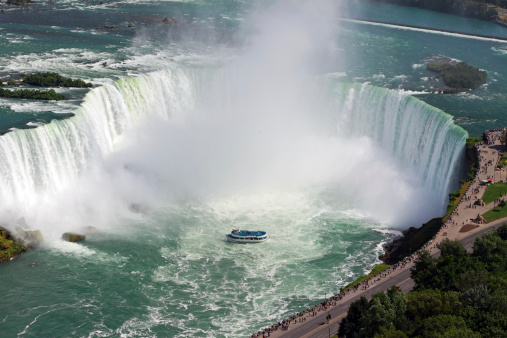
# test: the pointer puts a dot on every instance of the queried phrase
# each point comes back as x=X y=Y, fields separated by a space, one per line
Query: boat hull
x=246 y=240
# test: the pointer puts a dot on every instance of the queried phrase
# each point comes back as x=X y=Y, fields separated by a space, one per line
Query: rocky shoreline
x=9 y=247
x=13 y=244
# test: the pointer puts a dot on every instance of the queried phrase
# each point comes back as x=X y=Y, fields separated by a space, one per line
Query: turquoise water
x=230 y=115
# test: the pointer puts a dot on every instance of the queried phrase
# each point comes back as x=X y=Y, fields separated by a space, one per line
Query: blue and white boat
x=247 y=236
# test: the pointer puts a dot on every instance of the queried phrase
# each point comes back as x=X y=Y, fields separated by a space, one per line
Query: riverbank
x=9 y=247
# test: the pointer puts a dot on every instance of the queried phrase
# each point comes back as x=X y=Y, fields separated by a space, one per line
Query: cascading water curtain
x=419 y=135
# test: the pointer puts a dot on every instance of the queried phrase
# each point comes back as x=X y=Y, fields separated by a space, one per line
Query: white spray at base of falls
x=37 y=165
x=69 y=173
x=421 y=136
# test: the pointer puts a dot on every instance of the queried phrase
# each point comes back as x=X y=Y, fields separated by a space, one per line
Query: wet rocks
x=9 y=247
x=73 y=237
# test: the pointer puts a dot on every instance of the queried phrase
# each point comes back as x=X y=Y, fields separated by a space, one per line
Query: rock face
x=8 y=246
x=30 y=238
x=90 y=230
x=73 y=237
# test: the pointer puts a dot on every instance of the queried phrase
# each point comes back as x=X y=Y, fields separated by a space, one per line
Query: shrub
x=54 y=80
x=31 y=94
x=461 y=75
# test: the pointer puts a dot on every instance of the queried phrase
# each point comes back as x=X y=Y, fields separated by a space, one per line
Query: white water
x=41 y=168
x=190 y=132
x=423 y=138
x=261 y=125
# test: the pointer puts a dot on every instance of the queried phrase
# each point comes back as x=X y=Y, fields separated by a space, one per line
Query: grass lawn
x=494 y=191
x=376 y=269
x=452 y=204
x=495 y=213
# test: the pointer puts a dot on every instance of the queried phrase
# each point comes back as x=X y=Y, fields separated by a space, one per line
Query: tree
x=445 y=272
x=424 y=270
x=477 y=297
x=452 y=249
x=54 y=80
x=428 y=303
x=392 y=332
x=502 y=231
x=351 y=325
x=492 y=250
x=472 y=279
x=439 y=325
x=365 y=318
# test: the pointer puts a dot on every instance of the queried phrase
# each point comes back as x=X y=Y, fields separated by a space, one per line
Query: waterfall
x=49 y=158
x=419 y=135
x=45 y=160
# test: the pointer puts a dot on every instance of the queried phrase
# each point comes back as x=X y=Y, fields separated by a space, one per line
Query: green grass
x=495 y=213
x=376 y=269
x=13 y=250
x=494 y=191
x=452 y=204
x=471 y=141
x=7 y=254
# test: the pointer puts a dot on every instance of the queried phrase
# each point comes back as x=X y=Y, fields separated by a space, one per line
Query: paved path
x=317 y=326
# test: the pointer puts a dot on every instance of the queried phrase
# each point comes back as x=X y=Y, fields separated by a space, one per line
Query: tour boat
x=246 y=236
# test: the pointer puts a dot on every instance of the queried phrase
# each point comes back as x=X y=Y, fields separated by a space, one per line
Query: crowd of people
x=491 y=135
x=300 y=317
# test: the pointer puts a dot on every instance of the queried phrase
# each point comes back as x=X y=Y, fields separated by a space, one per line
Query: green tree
x=392 y=332
x=54 y=80
x=492 y=250
x=351 y=325
x=428 y=303
x=365 y=318
x=445 y=272
x=439 y=325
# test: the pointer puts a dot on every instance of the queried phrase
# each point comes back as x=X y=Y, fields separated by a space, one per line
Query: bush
x=54 y=80
x=31 y=94
x=461 y=75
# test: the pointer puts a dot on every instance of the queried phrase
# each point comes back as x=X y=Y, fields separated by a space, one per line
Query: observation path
x=460 y=226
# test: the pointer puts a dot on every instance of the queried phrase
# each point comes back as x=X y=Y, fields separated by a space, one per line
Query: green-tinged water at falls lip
x=208 y=121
